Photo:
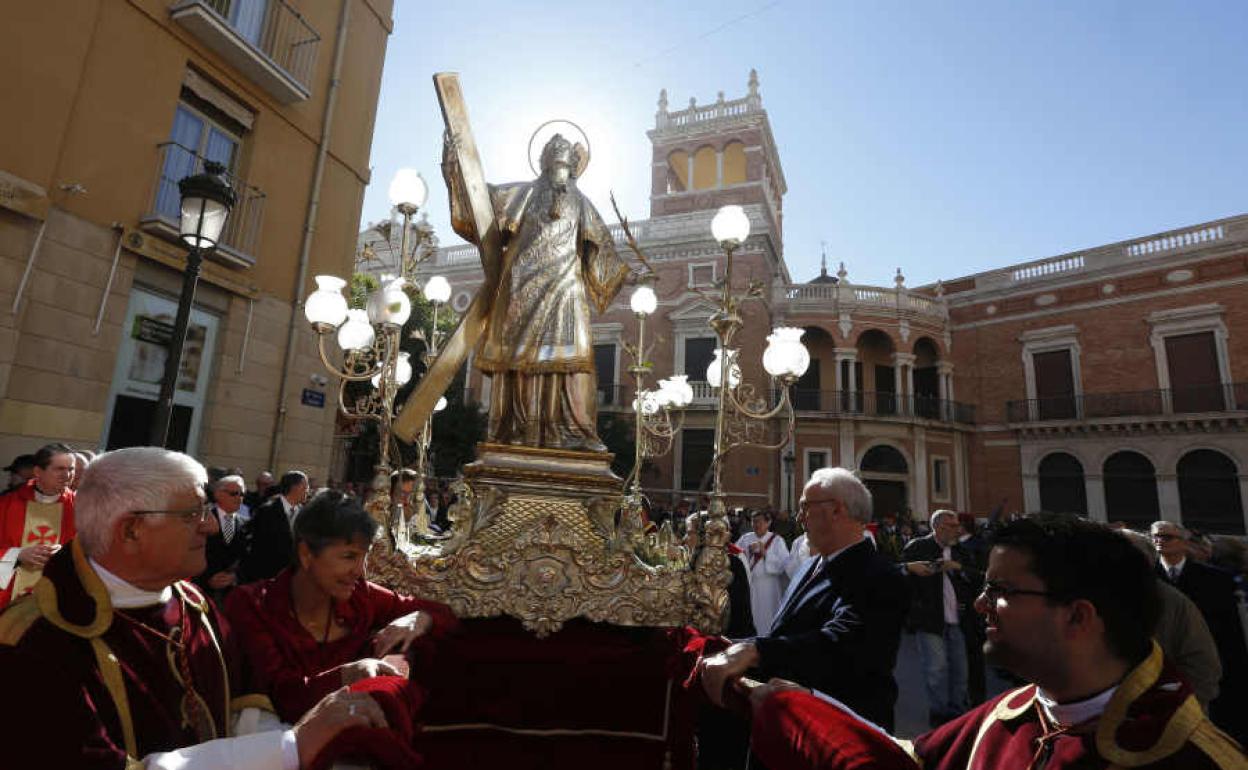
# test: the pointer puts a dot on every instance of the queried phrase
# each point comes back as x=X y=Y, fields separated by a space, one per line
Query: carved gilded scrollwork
x=548 y=552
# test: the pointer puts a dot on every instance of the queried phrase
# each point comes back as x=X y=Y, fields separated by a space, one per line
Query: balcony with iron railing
x=832 y=403
x=268 y=40
x=240 y=240
x=1209 y=399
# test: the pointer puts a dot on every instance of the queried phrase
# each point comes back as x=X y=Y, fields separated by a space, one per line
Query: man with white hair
x=839 y=624
x=943 y=585
x=122 y=663
x=226 y=547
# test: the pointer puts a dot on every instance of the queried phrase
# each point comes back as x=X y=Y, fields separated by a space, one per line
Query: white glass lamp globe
x=643 y=301
x=734 y=370
x=647 y=402
x=440 y=405
x=326 y=305
x=730 y=226
x=357 y=333
x=437 y=289
x=390 y=304
x=663 y=395
x=682 y=391
x=403 y=369
x=785 y=355
x=408 y=188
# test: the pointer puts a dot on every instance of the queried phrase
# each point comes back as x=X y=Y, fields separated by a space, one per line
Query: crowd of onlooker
x=819 y=603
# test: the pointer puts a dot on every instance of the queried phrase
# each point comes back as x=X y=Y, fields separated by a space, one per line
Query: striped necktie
x=227 y=525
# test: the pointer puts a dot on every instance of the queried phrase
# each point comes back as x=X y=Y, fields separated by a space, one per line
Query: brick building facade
x=1105 y=381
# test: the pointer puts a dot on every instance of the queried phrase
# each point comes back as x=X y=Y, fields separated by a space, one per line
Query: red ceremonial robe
x=18 y=530
x=1152 y=722
x=92 y=687
x=295 y=669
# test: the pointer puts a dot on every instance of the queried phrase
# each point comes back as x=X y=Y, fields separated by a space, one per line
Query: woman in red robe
x=319 y=624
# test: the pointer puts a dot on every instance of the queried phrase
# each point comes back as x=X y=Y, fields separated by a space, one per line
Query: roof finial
x=823 y=259
x=663 y=100
x=754 y=101
x=842 y=272
x=753 y=82
x=899 y=279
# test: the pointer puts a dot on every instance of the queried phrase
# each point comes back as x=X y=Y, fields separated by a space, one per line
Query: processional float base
x=534 y=535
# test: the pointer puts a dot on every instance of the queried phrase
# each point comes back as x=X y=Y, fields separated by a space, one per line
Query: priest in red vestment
x=1070 y=607
x=35 y=520
x=117 y=662
x=320 y=625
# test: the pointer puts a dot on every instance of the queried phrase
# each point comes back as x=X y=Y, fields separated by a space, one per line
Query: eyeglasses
x=194 y=516
x=232 y=492
x=804 y=506
x=1165 y=536
x=994 y=592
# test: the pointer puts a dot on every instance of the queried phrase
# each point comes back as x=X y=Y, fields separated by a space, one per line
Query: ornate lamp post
x=741 y=415
x=370 y=340
x=437 y=290
x=654 y=427
x=206 y=202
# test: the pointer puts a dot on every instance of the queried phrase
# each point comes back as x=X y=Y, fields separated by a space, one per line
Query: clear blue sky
x=944 y=138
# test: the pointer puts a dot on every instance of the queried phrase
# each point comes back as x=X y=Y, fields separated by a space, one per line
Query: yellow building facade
x=108 y=104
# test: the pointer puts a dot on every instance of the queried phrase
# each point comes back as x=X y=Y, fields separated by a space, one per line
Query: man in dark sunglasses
x=225 y=547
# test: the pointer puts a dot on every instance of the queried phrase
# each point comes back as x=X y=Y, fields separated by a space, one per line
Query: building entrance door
x=141 y=366
x=887 y=497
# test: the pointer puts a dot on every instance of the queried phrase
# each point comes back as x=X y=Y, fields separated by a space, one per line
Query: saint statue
x=558 y=257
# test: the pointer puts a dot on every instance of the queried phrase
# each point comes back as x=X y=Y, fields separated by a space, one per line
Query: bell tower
x=707 y=156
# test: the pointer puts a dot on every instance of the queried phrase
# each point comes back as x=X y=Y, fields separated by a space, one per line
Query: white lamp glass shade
x=390 y=304
x=403 y=369
x=647 y=402
x=440 y=405
x=664 y=395
x=730 y=225
x=357 y=333
x=202 y=221
x=643 y=301
x=734 y=371
x=408 y=186
x=682 y=391
x=785 y=355
x=326 y=305
x=437 y=289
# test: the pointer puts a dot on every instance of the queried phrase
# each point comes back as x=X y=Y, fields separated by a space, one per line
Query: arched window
x=1130 y=489
x=1209 y=496
x=678 y=171
x=884 y=459
x=734 y=163
x=1061 y=484
x=705 y=173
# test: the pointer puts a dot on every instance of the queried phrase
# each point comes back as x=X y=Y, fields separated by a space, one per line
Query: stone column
x=719 y=168
x=846 y=434
x=1031 y=492
x=1094 y=489
x=1168 y=497
x=944 y=382
x=919 y=473
x=848 y=383
x=689 y=182
x=903 y=363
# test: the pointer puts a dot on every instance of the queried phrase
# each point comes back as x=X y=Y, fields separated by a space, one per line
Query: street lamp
x=370 y=341
x=206 y=202
x=741 y=416
x=437 y=290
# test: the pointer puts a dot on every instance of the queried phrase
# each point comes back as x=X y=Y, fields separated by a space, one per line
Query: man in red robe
x=1070 y=607
x=117 y=662
x=35 y=520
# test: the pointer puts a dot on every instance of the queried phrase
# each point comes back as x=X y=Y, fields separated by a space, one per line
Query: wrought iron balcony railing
x=882 y=404
x=1230 y=397
x=268 y=39
x=240 y=240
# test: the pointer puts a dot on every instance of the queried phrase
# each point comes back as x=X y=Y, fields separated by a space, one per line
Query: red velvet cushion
x=389 y=748
x=794 y=730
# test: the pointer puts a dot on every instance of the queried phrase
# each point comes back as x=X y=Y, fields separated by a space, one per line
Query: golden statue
x=558 y=257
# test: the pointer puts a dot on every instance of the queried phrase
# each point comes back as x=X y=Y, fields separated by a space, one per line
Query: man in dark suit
x=271 y=546
x=943 y=584
x=1213 y=592
x=839 y=624
x=226 y=546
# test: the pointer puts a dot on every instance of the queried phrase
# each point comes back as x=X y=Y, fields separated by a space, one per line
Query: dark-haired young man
x=271 y=547
x=35 y=520
x=1070 y=607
